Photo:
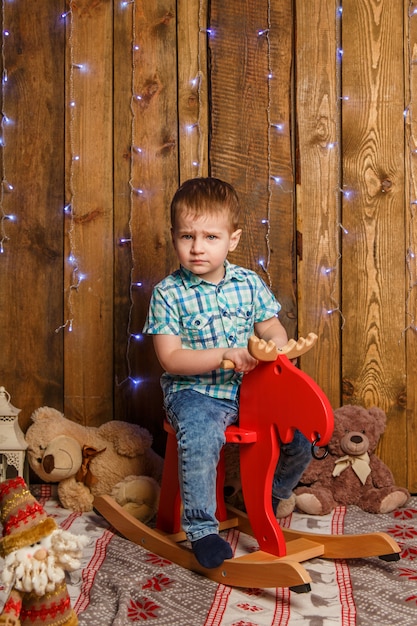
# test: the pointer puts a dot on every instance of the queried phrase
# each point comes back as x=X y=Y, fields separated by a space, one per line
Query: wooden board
x=373 y=250
x=251 y=55
x=193 y=77
x=318 y=199
x=125 y=57
x=88 y=355
x=408 y=400
x=31 y=293
x=154 y=178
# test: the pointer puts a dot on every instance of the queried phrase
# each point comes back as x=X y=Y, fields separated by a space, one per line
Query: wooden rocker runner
x=276 y=399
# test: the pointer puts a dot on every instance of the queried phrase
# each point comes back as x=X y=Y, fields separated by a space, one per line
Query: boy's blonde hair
x=201 y=196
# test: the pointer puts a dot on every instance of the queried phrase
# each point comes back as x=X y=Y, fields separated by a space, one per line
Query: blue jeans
x=200 y=422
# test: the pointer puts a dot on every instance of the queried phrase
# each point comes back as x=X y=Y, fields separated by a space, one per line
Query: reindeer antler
x=267 y=351
x=297 y=348
x=264 y=351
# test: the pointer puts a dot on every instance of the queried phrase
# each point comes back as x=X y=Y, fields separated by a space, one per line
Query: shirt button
x=231 y=338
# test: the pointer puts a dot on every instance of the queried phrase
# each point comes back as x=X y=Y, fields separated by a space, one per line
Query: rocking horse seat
x=169 y=512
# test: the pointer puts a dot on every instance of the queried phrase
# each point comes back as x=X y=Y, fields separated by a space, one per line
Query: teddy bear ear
x=45 y=412
x=347 y=411
x=379 y=416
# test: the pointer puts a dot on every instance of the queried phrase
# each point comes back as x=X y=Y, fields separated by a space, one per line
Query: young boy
x=201 y=314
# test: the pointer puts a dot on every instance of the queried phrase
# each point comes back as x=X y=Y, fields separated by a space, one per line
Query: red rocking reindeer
x=276 y=399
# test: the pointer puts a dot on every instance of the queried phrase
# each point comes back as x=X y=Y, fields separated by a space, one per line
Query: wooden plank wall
x=88 y=348
x=374 y=248
x=32 y=202
x=307 y=108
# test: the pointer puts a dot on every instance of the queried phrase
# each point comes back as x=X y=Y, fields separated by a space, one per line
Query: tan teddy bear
x=115 y=458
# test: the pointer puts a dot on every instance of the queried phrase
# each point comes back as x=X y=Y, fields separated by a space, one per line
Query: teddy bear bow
x=360 y=465
x=84 y=474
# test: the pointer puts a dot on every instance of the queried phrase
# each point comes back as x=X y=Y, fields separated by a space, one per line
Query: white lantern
x=12 y=441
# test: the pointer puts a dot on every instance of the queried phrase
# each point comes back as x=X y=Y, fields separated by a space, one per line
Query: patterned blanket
x=120 y=583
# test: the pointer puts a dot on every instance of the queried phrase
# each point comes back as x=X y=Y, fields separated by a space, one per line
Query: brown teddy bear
x=115 y=458
x=351 y=473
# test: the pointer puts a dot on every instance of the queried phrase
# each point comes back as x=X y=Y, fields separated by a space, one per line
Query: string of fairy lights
x=76 y=275
x=196 y=158
x=5 y=187
x=267 y=220
x=134 y=191
x=275 y=182
x=333 y=272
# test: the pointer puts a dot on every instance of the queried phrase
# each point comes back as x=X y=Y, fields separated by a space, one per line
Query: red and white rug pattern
x=330 y=597
x=120 y=583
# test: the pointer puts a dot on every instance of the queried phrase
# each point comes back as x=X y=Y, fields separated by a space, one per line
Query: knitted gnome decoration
x=36 y=555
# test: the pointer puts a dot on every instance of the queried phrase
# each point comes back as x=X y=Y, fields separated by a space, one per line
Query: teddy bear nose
x=356 y=439
x=48 y=463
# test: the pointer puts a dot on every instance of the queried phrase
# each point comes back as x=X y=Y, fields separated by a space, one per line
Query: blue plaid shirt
x=206 y=315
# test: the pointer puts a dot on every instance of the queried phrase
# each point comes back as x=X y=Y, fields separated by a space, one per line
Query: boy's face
x=202 y=243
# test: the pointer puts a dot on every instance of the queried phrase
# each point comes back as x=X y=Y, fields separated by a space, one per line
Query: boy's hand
x=238 y=359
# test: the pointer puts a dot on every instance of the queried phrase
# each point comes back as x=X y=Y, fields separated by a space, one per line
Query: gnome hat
x=23 y=518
